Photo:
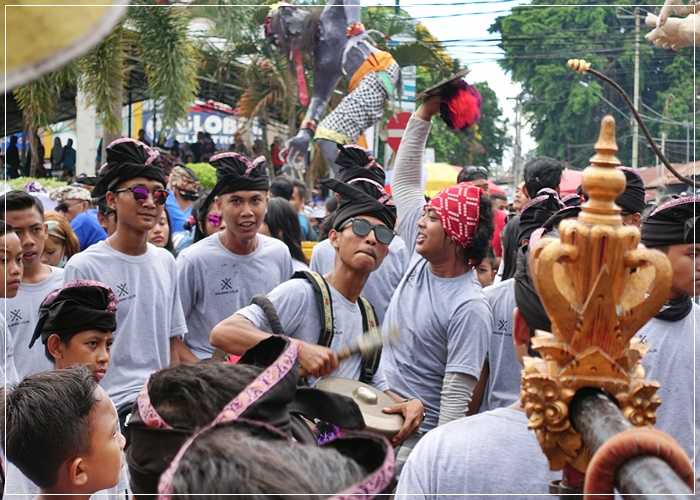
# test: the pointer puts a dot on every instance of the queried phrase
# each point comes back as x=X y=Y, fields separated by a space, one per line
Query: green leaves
x=102 y=78
x=169 y=58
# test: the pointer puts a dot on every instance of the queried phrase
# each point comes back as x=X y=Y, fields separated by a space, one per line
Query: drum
x=370 y=401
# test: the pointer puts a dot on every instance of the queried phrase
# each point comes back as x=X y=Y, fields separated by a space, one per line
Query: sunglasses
x=214 y=219
x=361 y=227
x=140 y=194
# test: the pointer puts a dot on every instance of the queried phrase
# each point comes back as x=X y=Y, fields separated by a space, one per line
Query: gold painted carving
x=598 y=286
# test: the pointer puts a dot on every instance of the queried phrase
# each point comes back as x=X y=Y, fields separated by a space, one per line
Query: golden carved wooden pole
x=598 y=285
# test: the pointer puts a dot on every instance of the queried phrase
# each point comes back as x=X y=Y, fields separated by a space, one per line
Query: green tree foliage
x=565 y=108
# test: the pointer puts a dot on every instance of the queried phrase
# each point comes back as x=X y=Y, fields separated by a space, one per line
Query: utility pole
x=635 y=126
x=517 y=143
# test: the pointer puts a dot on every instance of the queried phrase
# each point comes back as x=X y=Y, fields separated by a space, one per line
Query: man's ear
x=334 y=237
x=111 y=200
x=77 y=472
x=54 y=346
x=521 y=330
x=217 y=203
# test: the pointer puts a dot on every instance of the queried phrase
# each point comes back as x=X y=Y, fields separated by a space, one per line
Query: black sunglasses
x=362 y=227
x=474 y=170
x=140 y=194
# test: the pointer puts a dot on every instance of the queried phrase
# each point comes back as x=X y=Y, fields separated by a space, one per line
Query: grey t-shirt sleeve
x=297 y=314
x=467 y=338
x=72 y=272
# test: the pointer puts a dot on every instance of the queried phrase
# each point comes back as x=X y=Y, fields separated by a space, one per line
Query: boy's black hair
x=282 y=187
x=47 y=421
x=227 y=460
x=19 y=200
x=542 y=172
x=191 y=396
x=484 y=232
x=187 y=397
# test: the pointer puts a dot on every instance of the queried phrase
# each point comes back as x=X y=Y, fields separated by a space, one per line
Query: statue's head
x=285 y=25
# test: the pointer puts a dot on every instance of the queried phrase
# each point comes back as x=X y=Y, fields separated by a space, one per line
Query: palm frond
x=102 y=79
x=169 y=57
x=38 y=99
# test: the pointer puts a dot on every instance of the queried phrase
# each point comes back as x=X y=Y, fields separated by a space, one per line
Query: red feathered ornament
x=461 y=105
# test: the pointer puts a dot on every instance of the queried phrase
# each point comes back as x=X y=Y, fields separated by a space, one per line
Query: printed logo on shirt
x=16 y=318
x=644 y=340
x=123 y=292
x=226 y=287
x=503 y=327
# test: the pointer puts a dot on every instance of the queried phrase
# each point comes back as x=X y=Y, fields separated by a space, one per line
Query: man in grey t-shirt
x=439 y=307
x=150 y=322
x=223 y=272
x=490 y=453
x=671 y=335
x=361 y=234
x=25 y=214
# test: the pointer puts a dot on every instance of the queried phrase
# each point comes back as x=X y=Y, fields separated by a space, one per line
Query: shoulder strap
x=322 y=292
x=369 y=322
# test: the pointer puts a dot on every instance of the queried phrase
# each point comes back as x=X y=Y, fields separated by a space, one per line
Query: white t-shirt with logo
x=297 y=309
x=672 y=360
x=149 y=312
x=21 y=315
x=215 y=282
x=503 y=387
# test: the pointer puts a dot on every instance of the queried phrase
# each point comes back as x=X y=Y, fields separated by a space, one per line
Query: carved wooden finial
x=602 y=181
x=606 y=147
x=598 y=287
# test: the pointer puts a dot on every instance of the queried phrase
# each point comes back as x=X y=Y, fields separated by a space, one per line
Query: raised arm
x=407 y=187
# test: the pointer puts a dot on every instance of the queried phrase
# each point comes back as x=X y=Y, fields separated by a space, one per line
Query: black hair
x=227 y=460
x=200 y=210
x=282 y=187
x=481 y=243
x=498 y=196
x=191 y=396
x=169 y=244
x=283 y=222
x=542 y=172
x=5 y=228
x=20 y=200
x=301 y=187
x=47 y=421
x=187 y=397
x=471 y=172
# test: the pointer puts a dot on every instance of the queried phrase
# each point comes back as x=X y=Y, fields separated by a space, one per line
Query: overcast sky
x=459 y=23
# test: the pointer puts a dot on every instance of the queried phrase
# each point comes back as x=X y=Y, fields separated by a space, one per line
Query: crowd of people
x=164 y=340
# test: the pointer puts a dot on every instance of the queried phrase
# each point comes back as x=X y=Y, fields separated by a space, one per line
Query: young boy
x=11 y=267
x=63 y=433
x=25 y=214
x=149 y=317
x=223 y=272
x=76 y=324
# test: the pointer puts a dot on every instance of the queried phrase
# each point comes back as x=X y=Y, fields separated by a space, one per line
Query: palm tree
x=154 y=34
